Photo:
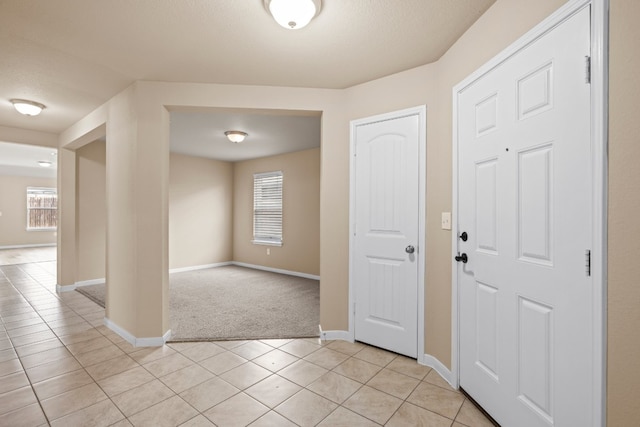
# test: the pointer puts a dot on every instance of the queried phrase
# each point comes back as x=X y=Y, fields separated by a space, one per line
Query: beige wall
x=200 y=211
x=301 y=212
x=13 y=205
x=623 y=364
x=432 y=85
x=90 y=211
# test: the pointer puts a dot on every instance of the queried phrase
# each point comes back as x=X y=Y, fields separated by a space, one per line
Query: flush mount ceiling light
x=44 y=163
x=26 y=107
x=293 y=14
x=236 y=136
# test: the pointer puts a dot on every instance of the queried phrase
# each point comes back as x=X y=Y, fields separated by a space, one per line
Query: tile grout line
x=58 y=337
x=34 y=297
x=46 y=417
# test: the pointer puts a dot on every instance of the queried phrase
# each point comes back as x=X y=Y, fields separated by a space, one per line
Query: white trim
x=421 y=112
x=600 y=153
x=138 y=342
x=455 y=360
x=599 y=133
x=199 y=267
x=68 y=288
x=336 y=335
x=65 y=288
x=39 y=245
x=439 y=367
x=153 y=341
x=101 y=281
x=276 y=270
x=267 y=242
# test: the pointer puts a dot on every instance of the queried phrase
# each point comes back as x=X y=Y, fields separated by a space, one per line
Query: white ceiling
x=22 y=160
x=73 y=55
x=270 y=133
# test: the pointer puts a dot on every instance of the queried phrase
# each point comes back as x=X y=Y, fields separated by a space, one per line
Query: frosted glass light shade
x=26 y=107
x=293 y=14
x=236 y=136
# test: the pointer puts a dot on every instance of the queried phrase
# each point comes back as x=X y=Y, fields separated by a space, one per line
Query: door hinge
x=587 y=75
x=354 y=308
x=587 y=262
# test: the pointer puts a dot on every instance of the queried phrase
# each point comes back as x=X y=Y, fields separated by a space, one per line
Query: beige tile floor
x=60 y=366
x=26 y=255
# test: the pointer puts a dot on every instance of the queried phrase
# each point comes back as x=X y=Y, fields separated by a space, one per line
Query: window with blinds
x=267 y=208
x=42 y=208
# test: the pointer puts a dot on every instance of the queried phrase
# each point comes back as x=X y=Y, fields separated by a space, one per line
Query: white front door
x=524 y=198
x=385 y=246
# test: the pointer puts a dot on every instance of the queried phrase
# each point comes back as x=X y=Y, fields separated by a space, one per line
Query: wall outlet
x=446 y=220
x=268 y=251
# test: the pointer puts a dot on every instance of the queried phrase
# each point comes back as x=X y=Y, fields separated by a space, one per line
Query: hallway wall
x=91 y=201
x=432 y=85
x=13 y=206
x=300 y=251
x=200 y=211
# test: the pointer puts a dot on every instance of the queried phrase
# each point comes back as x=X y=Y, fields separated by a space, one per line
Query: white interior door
x=524 y=197
x=385 y=242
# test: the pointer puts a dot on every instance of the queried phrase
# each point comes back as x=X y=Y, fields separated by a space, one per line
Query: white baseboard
x=199 y=267
x=101 y=281
x=444 y=372
x=138 y=342
x=39 y=245
x=68 y=288
x=276 y=270
x=336 y=335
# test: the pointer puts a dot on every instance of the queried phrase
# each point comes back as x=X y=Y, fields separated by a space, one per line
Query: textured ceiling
x=73 y=55
x=270 y=133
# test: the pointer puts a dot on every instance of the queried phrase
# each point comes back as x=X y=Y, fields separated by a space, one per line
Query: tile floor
x=60 y=366
x=26 y=255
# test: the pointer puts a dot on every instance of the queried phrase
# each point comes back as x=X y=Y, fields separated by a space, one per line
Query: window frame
x=272 y=237
x=41 y=190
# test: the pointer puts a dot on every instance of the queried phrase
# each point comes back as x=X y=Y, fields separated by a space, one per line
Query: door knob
x=409 y=249
x=462 y=258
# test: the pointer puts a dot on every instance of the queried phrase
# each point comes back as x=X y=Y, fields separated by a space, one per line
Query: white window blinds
x=267 y=208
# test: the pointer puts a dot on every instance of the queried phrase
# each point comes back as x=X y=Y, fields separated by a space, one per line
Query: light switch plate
x=446 y=220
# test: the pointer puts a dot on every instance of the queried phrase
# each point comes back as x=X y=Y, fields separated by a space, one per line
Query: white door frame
x=421 y=112
x=599 y=162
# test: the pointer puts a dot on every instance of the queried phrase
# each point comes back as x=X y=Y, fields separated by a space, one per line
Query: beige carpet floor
x=233 y=302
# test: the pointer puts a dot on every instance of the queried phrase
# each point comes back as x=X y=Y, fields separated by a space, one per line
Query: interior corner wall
x=300 y=251
x=200 y=211
x=432 y=85
x=623 y=363
x=91 y=211
x=13 y=206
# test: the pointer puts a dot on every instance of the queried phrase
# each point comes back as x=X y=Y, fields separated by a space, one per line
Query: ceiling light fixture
x=236 y=136
x=293 y=14
x=44 y=163
x=26 y=107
